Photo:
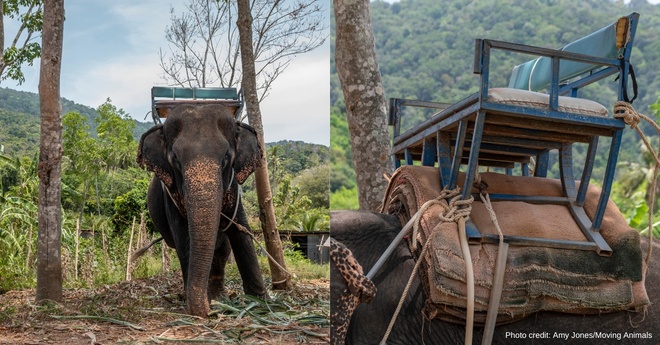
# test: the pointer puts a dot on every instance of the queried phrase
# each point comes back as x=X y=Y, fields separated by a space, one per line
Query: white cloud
x=111 y=50
x=127 y=81
x=298 y=106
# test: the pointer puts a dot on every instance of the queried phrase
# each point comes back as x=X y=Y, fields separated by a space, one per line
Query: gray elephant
x=367 y=234
x=199 y=156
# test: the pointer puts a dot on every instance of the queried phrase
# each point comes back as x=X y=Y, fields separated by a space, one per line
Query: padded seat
x=506 y=127
x=541 y=101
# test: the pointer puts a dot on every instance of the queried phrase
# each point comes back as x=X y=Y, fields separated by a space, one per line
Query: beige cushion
x=540 y=101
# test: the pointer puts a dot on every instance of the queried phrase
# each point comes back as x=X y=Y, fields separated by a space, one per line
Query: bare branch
x=203 y=43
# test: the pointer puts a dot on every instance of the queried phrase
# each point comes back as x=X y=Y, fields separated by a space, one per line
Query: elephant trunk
x=203 y=185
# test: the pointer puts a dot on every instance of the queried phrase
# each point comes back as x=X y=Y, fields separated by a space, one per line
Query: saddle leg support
x=580 y=217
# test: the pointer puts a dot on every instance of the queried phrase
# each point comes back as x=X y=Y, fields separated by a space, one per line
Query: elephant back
x=535 y=278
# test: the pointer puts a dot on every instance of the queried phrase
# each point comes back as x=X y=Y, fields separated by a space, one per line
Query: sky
x=111 y=51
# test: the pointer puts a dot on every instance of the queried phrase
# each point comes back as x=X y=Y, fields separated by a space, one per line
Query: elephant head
x=200 y=154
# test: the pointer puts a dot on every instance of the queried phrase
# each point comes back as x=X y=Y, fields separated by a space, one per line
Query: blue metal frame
x=501 y=135
x=227 y=96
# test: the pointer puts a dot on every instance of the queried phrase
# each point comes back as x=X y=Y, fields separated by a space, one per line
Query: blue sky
x=111 y=51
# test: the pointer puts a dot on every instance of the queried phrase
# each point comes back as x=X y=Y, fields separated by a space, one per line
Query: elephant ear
x=248 y=152
x=152 y=155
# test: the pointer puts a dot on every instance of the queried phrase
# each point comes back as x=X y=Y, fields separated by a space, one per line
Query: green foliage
x=296 y=263
x=22 y=50
x=299 y=174
x=425 y=51
x=314 y=183
x=115 y=137
x=131 y=205
x=104 y=190
x=19 y=111
x=295 y=211
x=344 y=199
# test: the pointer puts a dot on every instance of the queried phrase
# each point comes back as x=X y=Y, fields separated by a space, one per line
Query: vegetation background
x=104 y=191
x=425 y=51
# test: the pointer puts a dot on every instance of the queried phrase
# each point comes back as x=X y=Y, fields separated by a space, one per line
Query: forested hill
x=19 y=120
x=425 y=51
x=425 y=48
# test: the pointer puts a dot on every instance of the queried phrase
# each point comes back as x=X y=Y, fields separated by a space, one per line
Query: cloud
x=298 y=106
x=127 y=81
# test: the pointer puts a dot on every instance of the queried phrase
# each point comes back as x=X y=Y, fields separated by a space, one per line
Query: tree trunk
x=49 y=266
x=366 y=107
x=281 y=279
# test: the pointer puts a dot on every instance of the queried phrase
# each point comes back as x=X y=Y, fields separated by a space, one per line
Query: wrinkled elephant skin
x=367 y=234
x=199 y=156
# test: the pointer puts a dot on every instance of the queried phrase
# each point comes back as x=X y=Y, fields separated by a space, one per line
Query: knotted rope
x=625 y=111
x=455 y=210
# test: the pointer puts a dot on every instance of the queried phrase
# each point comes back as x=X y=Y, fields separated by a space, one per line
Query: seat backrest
x=194 y=93
x=612 y=42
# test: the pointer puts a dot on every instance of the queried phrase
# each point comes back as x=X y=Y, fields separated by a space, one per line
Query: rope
x=500 y=263
x=625 y=111
x=245 y=230
x=453 y=211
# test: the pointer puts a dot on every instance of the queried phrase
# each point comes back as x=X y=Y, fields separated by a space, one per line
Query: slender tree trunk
x=366 y=107
x=49 y=266
x=281 y=280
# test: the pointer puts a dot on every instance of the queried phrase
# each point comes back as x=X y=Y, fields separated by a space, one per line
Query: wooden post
x=29 y=249
x=128 y=254
x=75 y=264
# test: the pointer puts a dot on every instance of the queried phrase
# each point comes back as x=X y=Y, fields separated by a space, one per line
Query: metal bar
x=586 y=226
x=454 y=108
x=540 y=242
x=586 y=172
x=607 y=180
x=531 y=199
x=554 y=85
x=527 y=133
x=429 y=151
x=444 y=157
x=541 y=166
x=408 y=157
x=535 y=114
x=406 y=229
x=458 y=154
x=546 y=123
x=566 y=171
x=531 y=50
x=541 y=145
x=420 y=135
x=401 y=102
x=474 y=154
x=582 y=82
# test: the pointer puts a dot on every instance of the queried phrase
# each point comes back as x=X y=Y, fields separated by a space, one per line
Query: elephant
x=367 y=234
x=199 y=156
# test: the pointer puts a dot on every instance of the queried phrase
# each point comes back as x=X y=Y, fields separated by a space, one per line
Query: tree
x=204 y=43
x=366 y=107
x=49 y=264
x=281 y=280
x=22 y=48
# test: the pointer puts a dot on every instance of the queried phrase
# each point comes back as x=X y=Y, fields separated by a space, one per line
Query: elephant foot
x=216 y=287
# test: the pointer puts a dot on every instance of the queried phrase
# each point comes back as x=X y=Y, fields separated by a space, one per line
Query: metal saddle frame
x=165 y=98
x=480 y=131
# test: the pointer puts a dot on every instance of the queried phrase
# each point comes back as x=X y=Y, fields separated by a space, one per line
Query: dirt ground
x=151 y=311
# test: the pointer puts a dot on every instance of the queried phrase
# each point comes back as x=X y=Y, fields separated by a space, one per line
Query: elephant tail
x=143 y=250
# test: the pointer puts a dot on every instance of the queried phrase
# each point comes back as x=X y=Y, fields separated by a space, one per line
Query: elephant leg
x=178 y=235
x=217 y=276
x=246 y=260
